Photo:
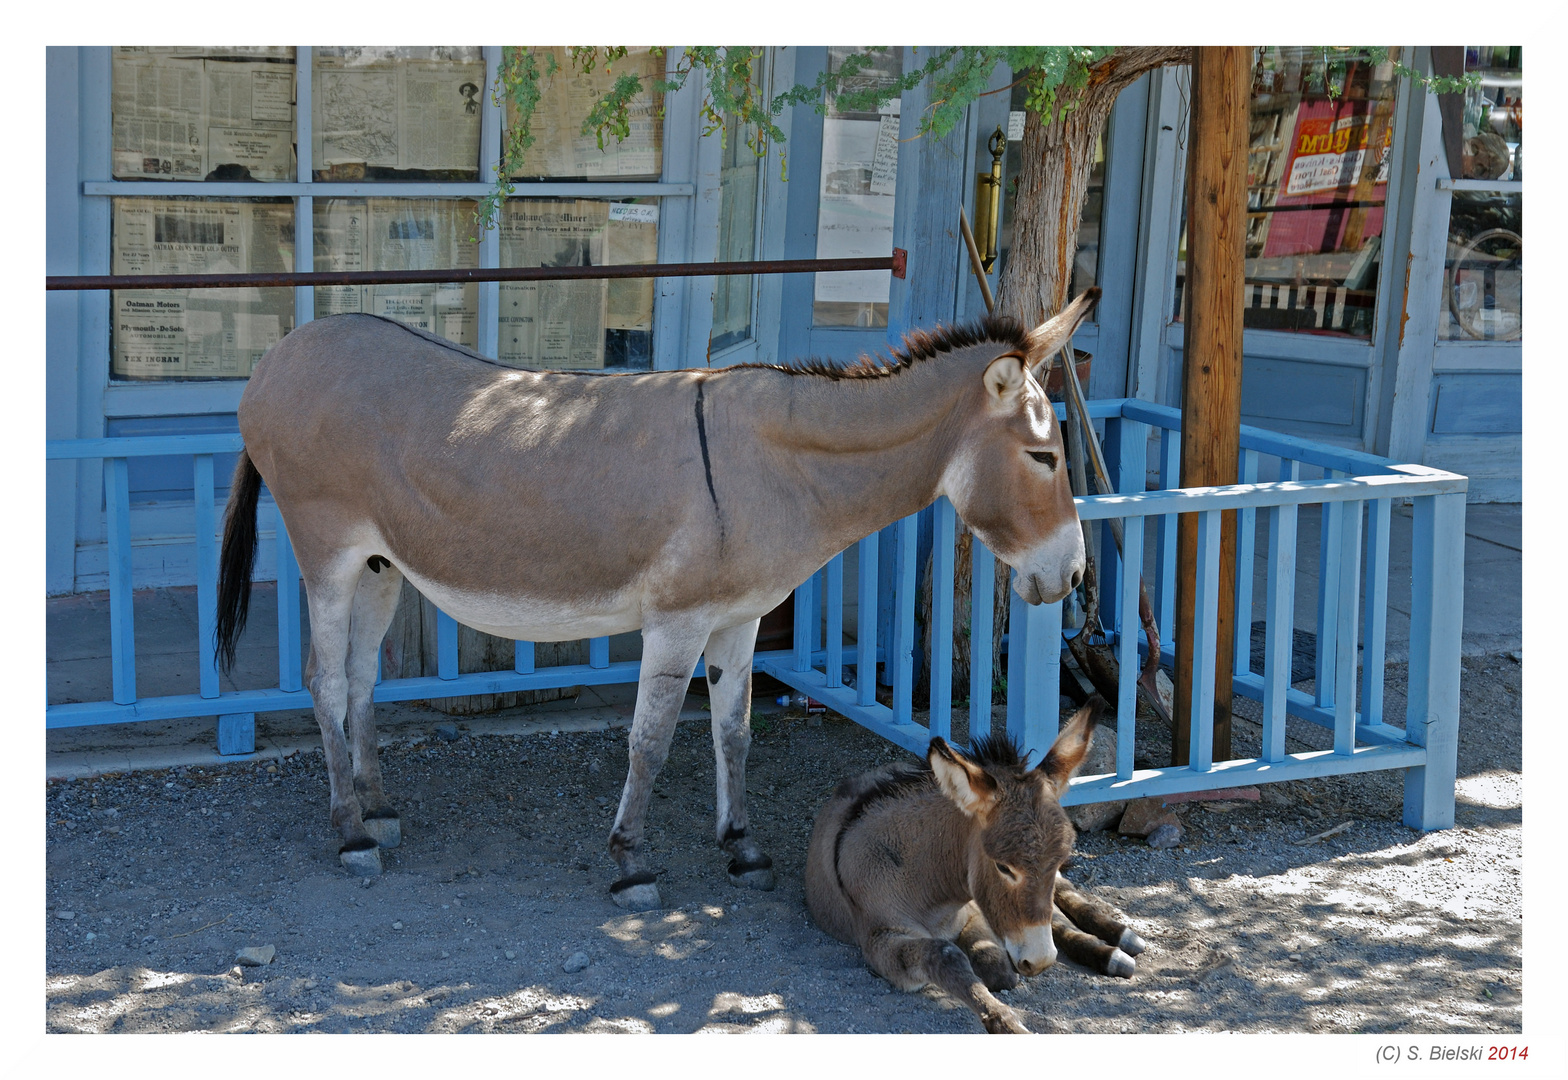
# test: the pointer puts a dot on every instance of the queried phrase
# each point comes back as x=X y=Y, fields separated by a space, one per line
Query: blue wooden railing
x=1356 y=493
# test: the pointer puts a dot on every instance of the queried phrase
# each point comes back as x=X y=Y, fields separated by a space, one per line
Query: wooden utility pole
x=1211 y=360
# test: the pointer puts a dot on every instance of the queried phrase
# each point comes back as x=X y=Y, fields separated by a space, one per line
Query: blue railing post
x=982 y=606
x=1127 y=645
x=833 y=602
x=1328 y=598
x=289 y=676
x=1279 y=622
x=1034 y=655
x=122 y=615
x=866 y=621
x=1165 y=540
x=1246 y=541
x=1437 y=566
x=944 y=530
x=1205 y=621
x=1349 y=540
x=598 y=652
x=446 y=645
x=206 y=576
x=902 y=647
x=1376 y=617
x=802 y=639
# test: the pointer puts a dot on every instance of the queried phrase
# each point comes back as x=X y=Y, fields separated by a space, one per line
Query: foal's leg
x=330 y=584
x=987 y=955
x=375 y=602
x=909 y=960
x=1096 y=917
x=728 y=656
x=669 y=655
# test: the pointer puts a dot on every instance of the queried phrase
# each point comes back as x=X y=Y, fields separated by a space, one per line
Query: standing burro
x=552 y=506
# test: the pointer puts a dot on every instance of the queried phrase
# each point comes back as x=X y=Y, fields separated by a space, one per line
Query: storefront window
x=1317 y=184
x=855 y=207
x=738 y=182
x=198 y=333
x=562 y=152
x=592 y=323
x=1483 y=273
x=397 y=114
x=401 y=234
x=203 y=113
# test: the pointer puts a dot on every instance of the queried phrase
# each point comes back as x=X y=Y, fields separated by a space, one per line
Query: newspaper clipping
x=561 y=149
x=397 y=113
x=400 y=234
x=185 y=118
x=855 y=215
x=555 y=324
x=199 y=333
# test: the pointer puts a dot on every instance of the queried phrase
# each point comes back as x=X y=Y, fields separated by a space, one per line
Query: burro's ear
x=1047 y=338
x=1071 y=747
x=1004 y=379
x=968 y=785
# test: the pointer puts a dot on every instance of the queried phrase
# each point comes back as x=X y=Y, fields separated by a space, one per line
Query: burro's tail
x=237 y=560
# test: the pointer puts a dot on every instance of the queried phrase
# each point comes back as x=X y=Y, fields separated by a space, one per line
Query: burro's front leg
x=909 y=960
x=669 y=655
x=728 y=662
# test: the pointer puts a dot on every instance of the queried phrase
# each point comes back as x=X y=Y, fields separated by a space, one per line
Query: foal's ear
x=1071 y=747
x=969 y=786
x=1047 y=338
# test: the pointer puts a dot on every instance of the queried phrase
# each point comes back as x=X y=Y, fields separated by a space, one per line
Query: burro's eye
x=1007 y=872
x=1044 y=457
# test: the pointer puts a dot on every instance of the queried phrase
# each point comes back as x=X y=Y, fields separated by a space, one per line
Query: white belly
x=524 y=618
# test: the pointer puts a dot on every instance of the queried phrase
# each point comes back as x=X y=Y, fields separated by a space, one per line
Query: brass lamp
x=988 y=201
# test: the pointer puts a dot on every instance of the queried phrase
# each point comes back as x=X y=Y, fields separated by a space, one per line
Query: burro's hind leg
x=1089 y=932
x=910 y=959
x=330 y=585
x=375 y=602
x=670 y=648
x=728 y=662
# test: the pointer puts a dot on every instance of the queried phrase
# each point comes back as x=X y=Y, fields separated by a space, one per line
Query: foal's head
x=1020 y=835
x=1008 y=479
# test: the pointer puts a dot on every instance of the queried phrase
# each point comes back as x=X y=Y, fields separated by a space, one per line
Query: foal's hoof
x=1121 y=965
x=639 y=892
x=361 y=858
x=386 y=831
x=1130 y=943
x=756 y=874
x=1004 y=1021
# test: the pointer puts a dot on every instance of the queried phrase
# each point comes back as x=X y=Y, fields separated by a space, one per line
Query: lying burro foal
x=947 y=873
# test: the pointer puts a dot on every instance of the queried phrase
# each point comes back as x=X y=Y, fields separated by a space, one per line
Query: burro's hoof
x=1130 y=943
x=639 y=892
x=361 y=858
x=757 y=874
x=386 y=831
x=1003 y=1021
x=1121 y=965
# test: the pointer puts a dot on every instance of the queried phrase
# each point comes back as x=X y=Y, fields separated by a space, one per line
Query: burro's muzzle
x=1053 y=568
x=1032 y=950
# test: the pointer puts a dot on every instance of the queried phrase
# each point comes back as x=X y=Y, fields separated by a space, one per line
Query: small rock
x=445 y=955
x=1143 y=816
x=813 y=721
x=91 y=936
x=397 y=926
x=510 y=955
x=1165 y=836
x=575 y=963
x=447 y=732
x=256 y=955
x=309 y=984
x=593 y=766
x=1515 y=656
x=67 y=915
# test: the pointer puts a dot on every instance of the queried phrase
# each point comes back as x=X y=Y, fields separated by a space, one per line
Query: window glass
x=1483 y=275
x=855 y=204
x=1086 y=257
x=401 y=234
x=397 y=113
x=198 y=333
x=203 y=113
x=561 y=151
x=1317 y=183
x=594 y=323
x=738 y=214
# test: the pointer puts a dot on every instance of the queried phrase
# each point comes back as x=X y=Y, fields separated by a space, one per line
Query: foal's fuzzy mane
x=997 y=751
x=918 y=345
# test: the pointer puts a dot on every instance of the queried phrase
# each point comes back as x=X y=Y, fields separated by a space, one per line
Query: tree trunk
x=1052 y=185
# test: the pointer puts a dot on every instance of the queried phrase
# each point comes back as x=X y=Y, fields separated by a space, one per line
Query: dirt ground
x=156 y=879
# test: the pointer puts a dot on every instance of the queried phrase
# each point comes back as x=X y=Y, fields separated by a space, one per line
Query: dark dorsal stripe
x=901 y=779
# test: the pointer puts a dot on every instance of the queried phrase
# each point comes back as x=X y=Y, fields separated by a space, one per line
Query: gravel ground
x=494 y=915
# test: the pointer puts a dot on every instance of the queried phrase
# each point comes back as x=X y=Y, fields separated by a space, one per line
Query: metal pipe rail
x=1356 y=493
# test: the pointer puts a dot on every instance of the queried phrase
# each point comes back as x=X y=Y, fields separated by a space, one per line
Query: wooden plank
x=878 y=719
x=446 y=646
x=290 y=677
x=1301 y=706
x=122 y=615
x=1437 y=559
x=866 y=620
x=523 y=657
x=206 y=576
x=1232 y=497
x=833 y=644
x=599 y=653
x=982 y=595
x=944 y=530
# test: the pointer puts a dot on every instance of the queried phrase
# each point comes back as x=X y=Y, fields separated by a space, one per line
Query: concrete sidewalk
x=166 y=643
